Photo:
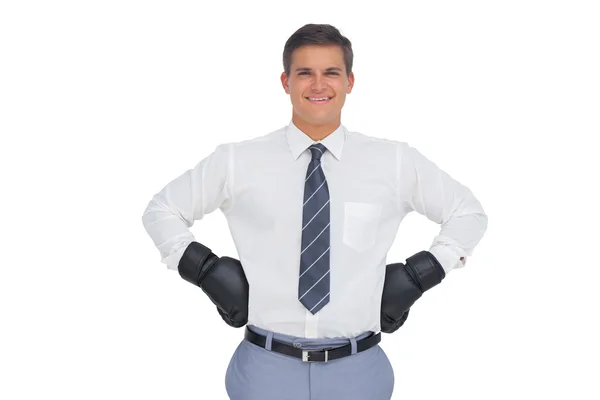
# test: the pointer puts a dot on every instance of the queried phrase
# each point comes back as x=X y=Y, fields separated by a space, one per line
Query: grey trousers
x=256 y=373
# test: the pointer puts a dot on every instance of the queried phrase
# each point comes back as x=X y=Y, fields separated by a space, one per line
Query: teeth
x=320 y=98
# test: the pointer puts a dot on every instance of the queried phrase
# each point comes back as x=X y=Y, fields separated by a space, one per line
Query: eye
x=329 y=72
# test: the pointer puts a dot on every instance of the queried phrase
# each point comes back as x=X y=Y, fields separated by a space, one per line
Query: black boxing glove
x=388 y=325
x=221 y=278
x=405 y=284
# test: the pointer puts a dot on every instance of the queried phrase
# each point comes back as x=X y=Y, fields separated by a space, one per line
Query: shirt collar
x=300 y=141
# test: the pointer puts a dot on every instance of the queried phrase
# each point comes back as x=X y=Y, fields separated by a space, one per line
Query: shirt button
x=297 y=344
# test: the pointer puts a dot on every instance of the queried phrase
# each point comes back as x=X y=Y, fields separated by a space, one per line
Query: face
x=317 y=71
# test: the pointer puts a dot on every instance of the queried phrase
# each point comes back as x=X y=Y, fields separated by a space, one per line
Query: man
x=313 y=209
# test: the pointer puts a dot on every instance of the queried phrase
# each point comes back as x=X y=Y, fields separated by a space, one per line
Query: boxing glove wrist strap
x=425 y=270
x=195 y=262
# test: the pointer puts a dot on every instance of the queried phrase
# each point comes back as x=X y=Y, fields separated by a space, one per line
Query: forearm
x=171 y=212
x=432 y=192
x=169 y=232
x=460 y=233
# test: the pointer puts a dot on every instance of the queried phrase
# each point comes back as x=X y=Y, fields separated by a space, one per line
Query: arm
x=171 y=213
x=425 y=188
x=186 y=199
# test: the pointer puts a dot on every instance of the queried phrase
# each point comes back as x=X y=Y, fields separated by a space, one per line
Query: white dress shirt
x=258 y=184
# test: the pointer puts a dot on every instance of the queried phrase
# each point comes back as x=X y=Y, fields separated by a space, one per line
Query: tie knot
x=317 y=150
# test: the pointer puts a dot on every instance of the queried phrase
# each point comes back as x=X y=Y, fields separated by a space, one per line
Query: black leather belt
x=313 y=355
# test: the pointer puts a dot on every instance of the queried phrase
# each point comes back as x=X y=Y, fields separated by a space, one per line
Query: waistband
x=308 y=343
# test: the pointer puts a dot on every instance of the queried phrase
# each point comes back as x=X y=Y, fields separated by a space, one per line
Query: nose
x=318 y=83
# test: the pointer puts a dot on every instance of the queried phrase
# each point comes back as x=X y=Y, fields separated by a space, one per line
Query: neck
x=316 y=132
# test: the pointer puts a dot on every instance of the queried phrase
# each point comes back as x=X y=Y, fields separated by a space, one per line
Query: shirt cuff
x=172 y=260
x=448 y=258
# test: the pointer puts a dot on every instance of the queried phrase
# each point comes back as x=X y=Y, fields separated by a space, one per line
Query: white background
x=103 y=103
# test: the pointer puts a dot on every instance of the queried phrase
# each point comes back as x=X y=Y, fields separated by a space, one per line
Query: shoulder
x=376 y=142
x=257 y=142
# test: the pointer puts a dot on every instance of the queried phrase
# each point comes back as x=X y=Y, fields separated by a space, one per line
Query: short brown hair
x=317 y=34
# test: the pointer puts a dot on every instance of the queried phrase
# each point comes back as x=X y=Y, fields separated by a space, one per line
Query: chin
x=316 y=118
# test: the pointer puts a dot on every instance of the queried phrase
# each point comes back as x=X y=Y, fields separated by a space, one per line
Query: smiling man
x=313 y=209
x=317 y=84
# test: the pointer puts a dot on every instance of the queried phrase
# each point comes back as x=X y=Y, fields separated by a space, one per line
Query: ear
x=350 y=82
x=285 y=83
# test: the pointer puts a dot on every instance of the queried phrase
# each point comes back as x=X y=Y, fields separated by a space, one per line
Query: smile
x=318 y=100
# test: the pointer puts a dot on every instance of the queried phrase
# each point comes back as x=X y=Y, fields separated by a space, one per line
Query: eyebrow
x=310 y=69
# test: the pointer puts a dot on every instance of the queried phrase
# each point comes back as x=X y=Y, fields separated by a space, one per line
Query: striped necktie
x=313 y=286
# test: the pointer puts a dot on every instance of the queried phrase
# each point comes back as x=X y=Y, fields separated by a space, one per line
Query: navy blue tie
x=313 y=285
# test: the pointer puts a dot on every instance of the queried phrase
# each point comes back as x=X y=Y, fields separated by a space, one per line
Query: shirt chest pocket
x=361 y=222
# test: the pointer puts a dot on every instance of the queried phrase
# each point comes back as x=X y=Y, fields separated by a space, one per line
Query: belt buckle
x=306 y=355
